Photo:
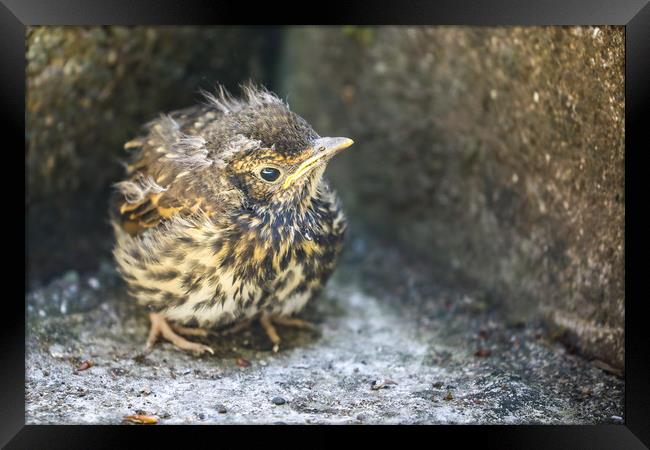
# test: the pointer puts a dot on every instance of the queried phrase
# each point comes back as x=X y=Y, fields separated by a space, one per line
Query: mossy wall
x=89 y=90
x=496 y=154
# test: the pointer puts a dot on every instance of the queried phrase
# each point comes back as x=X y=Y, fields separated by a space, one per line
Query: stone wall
x=89 y=89
x=496 y=154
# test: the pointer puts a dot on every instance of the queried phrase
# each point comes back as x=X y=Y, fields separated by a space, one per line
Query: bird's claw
x=160 y=327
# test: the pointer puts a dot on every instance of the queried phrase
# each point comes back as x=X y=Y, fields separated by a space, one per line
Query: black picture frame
x=15 y=15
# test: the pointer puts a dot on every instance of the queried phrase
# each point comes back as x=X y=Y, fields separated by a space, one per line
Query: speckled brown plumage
x=224 y=216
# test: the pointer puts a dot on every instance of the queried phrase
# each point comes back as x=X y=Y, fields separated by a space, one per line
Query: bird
x=224 y=218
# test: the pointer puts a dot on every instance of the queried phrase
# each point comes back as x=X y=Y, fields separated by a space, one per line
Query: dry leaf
x=141 y=419
x=242 y=362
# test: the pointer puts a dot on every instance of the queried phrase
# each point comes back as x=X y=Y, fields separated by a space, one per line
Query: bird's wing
x=144 y=201
x=162 y=181
x=153 y=208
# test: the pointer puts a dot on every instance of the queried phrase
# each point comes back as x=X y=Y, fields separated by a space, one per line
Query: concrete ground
x=395 y=346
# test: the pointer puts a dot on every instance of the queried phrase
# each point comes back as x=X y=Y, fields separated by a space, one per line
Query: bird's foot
x=160 y=327
x=268 y=322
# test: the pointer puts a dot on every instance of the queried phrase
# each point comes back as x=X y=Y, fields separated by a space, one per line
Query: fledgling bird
x=224 y=217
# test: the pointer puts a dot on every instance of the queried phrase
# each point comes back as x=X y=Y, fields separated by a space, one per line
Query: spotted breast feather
x=206 y=269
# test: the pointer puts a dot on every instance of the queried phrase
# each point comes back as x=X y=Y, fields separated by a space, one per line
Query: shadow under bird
x=224 y=217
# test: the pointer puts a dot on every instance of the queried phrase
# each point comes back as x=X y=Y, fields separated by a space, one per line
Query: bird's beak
x=323 y=149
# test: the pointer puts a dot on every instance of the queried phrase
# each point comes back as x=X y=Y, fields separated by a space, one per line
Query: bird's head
x=272 y=155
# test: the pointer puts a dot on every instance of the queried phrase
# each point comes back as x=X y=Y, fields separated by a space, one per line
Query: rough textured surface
x=496 y=154
x=414 y=352
x=89 y=90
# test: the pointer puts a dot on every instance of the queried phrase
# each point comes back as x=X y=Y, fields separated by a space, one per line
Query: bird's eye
x=270 y=174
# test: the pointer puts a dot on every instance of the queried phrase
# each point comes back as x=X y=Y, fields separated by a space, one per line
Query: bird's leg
x=294 y=323
x=266 y=323
x=189 y=331
x=236 y=328
x=160 y=327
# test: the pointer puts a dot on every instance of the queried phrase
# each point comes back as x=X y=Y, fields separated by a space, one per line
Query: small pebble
x=221 y=409
x=117 y=372
x=71 y=277
x=381 y=384
x=57 y=351
x=279 y=400
x=85 y=365
x=93 y=283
